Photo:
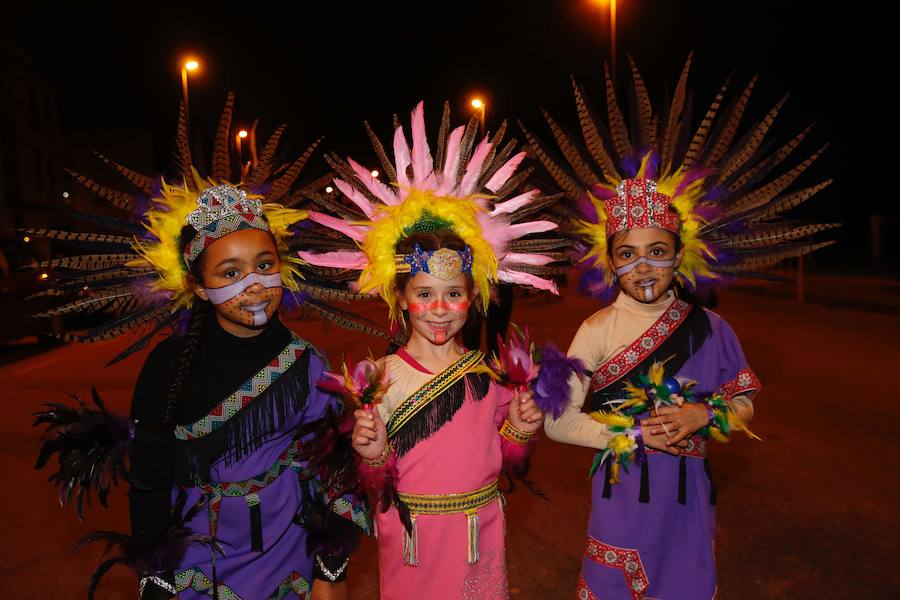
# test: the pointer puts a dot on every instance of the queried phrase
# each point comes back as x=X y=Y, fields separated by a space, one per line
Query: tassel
x=472 y=536
x=712 y=486
x=682 y=480
x=410 y=545
x=607 y=481
x=256 y=541
x=644 y=494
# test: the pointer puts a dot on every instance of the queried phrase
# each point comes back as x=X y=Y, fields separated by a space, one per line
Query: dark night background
x=325 y=67
x=804 y=514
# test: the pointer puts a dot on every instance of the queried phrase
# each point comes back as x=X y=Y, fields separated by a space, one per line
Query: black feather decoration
x=92 y=448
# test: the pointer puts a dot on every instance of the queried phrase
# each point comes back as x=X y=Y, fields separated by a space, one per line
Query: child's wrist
x=515 y=434
x=381 y=459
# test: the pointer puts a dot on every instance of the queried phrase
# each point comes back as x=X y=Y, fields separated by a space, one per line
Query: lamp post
x=189 y=65
x=479 y=105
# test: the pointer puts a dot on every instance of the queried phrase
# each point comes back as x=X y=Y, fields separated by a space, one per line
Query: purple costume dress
x=652 y=535
x=238 y=460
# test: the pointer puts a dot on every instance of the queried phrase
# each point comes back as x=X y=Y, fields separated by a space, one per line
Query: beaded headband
x=222 y=209
x=637 y=205
x=443 y=263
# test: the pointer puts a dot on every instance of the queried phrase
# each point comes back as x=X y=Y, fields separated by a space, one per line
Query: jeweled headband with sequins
x=637 y=205
x=221 y=210
x=443 y=263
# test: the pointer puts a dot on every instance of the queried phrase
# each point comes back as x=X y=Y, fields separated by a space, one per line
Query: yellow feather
x=168 y=215
x=612 y=419
x=656 y=372
x=384 y=234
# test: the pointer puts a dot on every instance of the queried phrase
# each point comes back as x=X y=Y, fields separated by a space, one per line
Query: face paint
x=224 y=294
x=420 y=308
x=653 y=262
x=261 y=311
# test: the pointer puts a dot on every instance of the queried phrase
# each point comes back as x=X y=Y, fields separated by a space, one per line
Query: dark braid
x=191 y=341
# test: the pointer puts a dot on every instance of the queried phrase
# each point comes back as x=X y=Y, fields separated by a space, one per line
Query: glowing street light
x=188 y=65
x=26 y=239
x=242 y=133
x=329 y=189
x=479 y=105
x=44 y=276
x=612 y=33
x=374 y=173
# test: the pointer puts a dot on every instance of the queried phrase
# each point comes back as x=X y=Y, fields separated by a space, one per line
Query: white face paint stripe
x=224 y=294
x=661 y=264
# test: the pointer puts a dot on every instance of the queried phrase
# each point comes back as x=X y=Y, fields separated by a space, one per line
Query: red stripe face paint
x=421 y=308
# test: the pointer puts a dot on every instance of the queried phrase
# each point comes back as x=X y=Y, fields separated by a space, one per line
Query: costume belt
x=467 y=503
x=249 y=489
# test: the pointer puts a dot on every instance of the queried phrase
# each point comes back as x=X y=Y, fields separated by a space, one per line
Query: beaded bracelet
x=514 y=434
x=382 y=459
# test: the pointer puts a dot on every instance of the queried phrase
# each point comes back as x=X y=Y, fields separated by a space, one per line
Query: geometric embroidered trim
x=745 y=383
x=626 y=560
x=245 y=394
x=197 y=581
x=431 y=390
x=622 y=363
x=584 y=592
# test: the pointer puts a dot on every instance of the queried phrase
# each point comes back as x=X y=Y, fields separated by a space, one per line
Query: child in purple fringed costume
x=651 y=528
x=664 y=375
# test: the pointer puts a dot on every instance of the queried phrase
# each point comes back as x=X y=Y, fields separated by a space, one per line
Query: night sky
x=325 y=67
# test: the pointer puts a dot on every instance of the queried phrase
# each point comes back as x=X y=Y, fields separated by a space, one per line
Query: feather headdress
x=728 y=204
x=470 y=189
x=138 y=274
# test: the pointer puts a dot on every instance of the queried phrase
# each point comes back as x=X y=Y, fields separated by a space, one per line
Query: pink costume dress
x=462 y=455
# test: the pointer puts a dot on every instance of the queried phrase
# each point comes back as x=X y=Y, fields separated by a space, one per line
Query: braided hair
x=190 y=343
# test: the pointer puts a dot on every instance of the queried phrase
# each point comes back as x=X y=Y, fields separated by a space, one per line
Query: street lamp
x=612 y=33
x=329 y=189
x=479 y=105
x=240 y=137
x=189 y=65
x=375 y=173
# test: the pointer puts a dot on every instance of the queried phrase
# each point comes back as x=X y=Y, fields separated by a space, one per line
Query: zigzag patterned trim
x=197 y=581
x=221 y=228
x=245 y=394
x=358 y=514
x=431 y=390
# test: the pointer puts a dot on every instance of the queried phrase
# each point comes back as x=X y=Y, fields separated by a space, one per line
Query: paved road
x=810 y=512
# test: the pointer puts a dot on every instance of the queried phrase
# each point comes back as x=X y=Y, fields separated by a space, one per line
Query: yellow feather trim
x=697 y=256
x=612 y=419
x=165 y=220
x=385 y=232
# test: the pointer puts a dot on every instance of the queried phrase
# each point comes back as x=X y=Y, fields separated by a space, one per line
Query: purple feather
x=586 y=208
x=551 y=390
x=690 y=177
x=593 y=285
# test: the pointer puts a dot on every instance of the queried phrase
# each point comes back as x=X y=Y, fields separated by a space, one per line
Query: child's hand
x=660 y=441
x=524 y=413
x=677 y=422
x=369 y=434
